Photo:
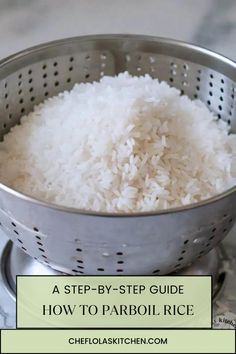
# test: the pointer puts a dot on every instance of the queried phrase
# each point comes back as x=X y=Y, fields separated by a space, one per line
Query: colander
x=81 y=242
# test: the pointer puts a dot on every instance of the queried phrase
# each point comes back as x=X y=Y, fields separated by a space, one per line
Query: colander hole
x=22 y=110
x=56 y=83
x=195 y=96
x=210 y=93
x=186 y=241
x=20 y=92
x=21 y=101
x=41 y=249
x=208 y=244
x=7 y=106
x=70 y=68
x=24 y=249
x=45 y=75
x=87 y=76
x=69 y=79
x=198 y=79
x=201 y=253
x=156 y=271
x=38 y=237
x=173 y=72
x=183 y=252
x=182 y=92
x=44 y=66
x=5 y=85
x=55 y=63
x=6 y=95
x=119 y=270
x=80 y=267
x=221 y=98
x=120 y=262
x=220 y=108
x=19 y=240
x=100 y=269
x=10 y=116
x=19 y=76
x=45 y=84
x=221 y=89
x=211 y=238
x=44 y=256
x=13 y=224
x=232 y=96
x=210 y=84
x=29 y=72
x=30 y=81
x=209 y=102
x=71 y=59
x=197 y=88
x=173 y=64
x=222 y=81
x=211 y=76
x=225 y=230
x=16 y=232
x=78 y=249
x=229 y=122
x=180 y=258
x=55 y=73
x=19 y=83
x=214 y=229
x=4 y=125
x=230 y=220
x=171 y=79
x=39 y=243
x=32 y=99
x=79 y=261
x=219 y=116
x=46 y=93
x=199 y=71
x=119 y=253
x=185 y=66
x=177 y=265
x=87 y=57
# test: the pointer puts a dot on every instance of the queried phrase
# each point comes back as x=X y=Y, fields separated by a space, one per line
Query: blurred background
x=210 y=23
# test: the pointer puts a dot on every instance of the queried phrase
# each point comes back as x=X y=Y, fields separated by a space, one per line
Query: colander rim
x=27 y=198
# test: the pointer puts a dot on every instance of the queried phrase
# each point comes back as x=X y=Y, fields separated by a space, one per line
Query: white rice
x=122 y=144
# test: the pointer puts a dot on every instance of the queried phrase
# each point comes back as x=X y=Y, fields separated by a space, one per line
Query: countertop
x=24 y=23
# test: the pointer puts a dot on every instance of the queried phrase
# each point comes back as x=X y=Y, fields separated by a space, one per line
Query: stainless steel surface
x=79 y=242
x=16 y=262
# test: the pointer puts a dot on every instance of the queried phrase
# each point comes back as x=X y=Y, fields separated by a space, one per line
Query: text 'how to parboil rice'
x=122 y=144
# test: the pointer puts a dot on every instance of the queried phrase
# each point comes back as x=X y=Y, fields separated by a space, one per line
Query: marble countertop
x=24 y=23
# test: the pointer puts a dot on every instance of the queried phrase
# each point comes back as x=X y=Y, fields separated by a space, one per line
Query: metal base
x=16 y=262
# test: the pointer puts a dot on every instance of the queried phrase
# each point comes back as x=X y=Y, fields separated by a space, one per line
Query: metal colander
x=79 y=242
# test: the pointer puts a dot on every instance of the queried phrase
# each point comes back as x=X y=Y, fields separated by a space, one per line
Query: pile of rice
x=122 y=144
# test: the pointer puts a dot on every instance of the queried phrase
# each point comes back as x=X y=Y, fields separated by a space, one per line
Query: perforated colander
x=80 y=242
